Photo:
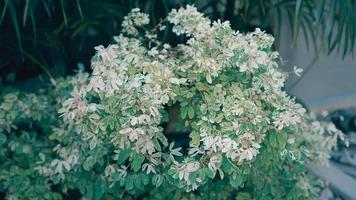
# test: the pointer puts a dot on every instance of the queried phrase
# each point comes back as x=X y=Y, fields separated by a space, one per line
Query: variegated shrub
x=248 y=139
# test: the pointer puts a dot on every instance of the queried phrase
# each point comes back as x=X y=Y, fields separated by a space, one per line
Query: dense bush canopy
x=247 y=137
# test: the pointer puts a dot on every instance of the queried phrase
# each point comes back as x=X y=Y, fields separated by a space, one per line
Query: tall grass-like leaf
x=3 y=12
x=80 y=10
x=34 y=29
x=320 y=11
x=337 y=40
x=330 y=23
x=34 y=60
x=64 y=14
x=353 y=27
x=305 y=33
x=279 y=21
x=313 y=34
x=298 y=10
x=25 y=13
x=15 y=24
x=290 y=19
x=79 y=28
x=346 y=41
x=46 y=7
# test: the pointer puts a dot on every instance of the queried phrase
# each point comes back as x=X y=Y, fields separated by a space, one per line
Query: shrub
x=247 y=137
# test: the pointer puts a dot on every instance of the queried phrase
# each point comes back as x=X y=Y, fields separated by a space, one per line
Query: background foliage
x=47 y=38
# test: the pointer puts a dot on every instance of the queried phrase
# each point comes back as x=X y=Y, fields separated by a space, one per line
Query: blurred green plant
x=52 y=36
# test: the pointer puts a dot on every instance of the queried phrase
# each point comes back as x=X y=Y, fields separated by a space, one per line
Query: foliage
x=49 y=37
x=247 y=137
x=25 y=120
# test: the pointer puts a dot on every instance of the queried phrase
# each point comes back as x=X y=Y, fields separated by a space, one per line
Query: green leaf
x=243 y=196
x=2 y=138
x=209 y=173
x=273 y=139
x=201 y=87
x=156 y=144
x=138 y=182
x=193 y=176
x=300 y=168
x=89 y=163
x=190 y=112
x=98 y=189
x=195 y=138
x=89 y=191
x=145 y=179
x=171 y=171
x=123 y=155
x=183 y=112
x=202 y=174
x=157 y=180
x=236 y=181
x=129 y=182
x=281 y=140
x=137 y=162
x=226 y=165
x=162 y=139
